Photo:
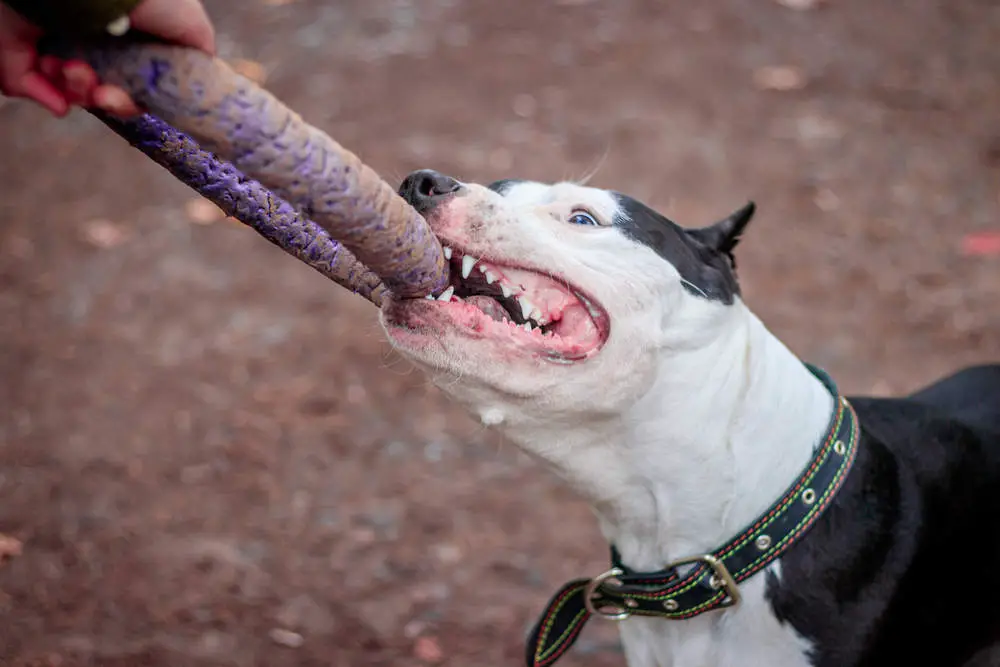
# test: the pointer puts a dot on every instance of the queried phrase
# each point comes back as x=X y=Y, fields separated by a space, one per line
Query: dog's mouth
x=523 y=307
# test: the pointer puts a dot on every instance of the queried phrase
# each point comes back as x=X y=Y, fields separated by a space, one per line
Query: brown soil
x=208 y=454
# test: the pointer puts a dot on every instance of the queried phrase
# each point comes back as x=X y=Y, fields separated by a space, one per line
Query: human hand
x=57 y=84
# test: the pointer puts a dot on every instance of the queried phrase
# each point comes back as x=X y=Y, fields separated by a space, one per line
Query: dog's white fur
x=691 y=420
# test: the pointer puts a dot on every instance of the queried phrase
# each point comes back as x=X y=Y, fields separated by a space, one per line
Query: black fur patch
x=502 y=186
x=706 y=271
x=901 y=568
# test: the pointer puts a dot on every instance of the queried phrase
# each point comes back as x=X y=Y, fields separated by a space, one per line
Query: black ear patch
x=703 y=257
x=724 y=235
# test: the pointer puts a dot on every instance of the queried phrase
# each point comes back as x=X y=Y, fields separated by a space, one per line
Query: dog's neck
x=720 y=436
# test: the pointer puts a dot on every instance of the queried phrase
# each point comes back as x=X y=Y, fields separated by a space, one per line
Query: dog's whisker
x=589 y=175
x=694 y=287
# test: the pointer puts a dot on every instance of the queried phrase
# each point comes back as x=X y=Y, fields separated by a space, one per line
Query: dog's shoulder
x=923 y=489
x=948 y=426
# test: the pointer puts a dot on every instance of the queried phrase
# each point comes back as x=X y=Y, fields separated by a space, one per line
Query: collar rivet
x=763 y=542
x=839 y=447
x=671 y=605
x=808 y=496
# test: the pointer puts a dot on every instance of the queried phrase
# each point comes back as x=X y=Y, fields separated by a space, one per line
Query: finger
x=51 y=68
x=18 y=78
x=115 y=101
x=181 y=21
x=36 y=87
x=80 y=82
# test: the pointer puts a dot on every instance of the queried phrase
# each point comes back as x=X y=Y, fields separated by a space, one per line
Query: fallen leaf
x=800 y=5
x=104 y=233
x=981 y=244
x=200 y=211
x=286 y=638
x=414 y=629
x=427 y=649
x=251 y=69
x=20 y=247
x=10 y=547
x=779 y=77
x=826 y=200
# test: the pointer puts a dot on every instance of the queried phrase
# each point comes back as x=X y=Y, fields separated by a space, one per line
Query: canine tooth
x=447 y=294
x=431 y=297
x=527 y=326
x=526 y=307
x=490 y=278
x=447 y=252
x=536 y=314
x=467 y=263
x=505 y=290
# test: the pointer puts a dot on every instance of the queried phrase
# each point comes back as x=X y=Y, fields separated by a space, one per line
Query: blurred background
x=208 y=454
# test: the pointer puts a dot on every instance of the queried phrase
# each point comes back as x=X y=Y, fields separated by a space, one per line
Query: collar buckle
x=597 y=605
x=602 y=605
x=721 y=578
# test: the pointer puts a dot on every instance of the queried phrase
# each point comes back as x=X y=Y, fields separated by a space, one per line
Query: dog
x=614 y=346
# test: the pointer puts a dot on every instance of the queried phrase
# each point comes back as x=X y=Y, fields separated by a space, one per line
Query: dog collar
x=713 y=581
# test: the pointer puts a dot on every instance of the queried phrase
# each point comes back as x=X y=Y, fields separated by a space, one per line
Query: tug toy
x=238 y=146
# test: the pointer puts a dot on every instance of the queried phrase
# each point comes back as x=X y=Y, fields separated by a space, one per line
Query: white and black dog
x=757 y=517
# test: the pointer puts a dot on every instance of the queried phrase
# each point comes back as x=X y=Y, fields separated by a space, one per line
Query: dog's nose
x=426 y=188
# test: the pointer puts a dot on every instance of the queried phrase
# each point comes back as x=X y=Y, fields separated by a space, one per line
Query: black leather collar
x=713 y=581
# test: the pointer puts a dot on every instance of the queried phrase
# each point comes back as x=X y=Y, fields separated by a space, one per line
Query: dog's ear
x=725 y=234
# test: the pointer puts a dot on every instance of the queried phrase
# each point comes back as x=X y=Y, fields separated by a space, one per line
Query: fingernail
x=114 y=100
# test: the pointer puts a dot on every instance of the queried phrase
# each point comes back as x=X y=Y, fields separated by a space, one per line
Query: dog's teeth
x=536 y=314
x=447 y=252
x=467 y=263
x=431 y=297
x=490 y=278
x=527 y=326
x=505 y=290
x=447 y=294
x=526 y=307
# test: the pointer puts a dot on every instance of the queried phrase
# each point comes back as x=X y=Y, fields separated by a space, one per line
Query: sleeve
x=73 y=17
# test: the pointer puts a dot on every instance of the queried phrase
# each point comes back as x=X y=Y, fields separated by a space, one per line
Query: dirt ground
x=208 y=455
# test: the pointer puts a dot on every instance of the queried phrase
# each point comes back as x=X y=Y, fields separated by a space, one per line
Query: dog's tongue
x=490 y=306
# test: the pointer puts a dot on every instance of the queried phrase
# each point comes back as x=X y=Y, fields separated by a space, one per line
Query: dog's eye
x=582 y=218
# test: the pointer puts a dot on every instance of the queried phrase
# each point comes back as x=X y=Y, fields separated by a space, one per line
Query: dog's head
x=565 y=300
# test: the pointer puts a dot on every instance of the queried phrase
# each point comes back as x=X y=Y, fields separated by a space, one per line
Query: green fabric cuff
x=72 y=17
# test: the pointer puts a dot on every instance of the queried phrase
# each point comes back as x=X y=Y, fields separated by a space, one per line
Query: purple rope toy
x=241 y=148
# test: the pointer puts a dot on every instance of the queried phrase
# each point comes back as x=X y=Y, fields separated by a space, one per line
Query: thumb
x=183 y=22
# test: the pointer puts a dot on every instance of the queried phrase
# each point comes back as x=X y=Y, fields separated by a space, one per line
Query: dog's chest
x=749 y=635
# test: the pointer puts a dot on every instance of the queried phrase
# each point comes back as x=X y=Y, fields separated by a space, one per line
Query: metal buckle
x=720 y=574
x=721 y=579
x=617 y=613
